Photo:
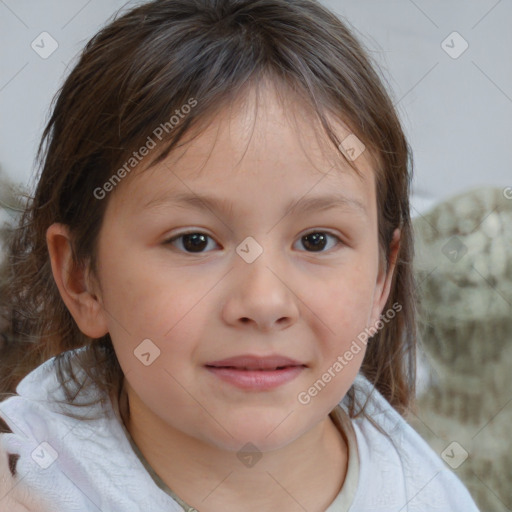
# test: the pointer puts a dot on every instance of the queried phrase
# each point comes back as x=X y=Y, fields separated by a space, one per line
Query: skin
x=200 y=307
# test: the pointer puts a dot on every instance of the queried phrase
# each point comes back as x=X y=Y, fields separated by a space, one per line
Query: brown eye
x=318 y=240
x=191 y=242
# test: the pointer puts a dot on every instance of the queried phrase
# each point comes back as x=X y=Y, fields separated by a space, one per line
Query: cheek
x=163 y=307
x=144 y=299
x=344 y=306
x=346 y=301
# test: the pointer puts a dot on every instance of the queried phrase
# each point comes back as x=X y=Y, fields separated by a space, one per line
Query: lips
x=256 y=374
x=250 y=362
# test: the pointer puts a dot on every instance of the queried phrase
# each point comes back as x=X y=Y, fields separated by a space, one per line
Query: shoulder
x=403 y=469
x=47 y=462
x=35 y=439
x=60 y=463
x=20 y=474
x=57 y=453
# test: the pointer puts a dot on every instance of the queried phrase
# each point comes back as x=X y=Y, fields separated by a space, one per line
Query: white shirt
x=73 y=465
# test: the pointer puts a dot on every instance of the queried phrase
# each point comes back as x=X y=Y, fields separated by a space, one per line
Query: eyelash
x=338 y=243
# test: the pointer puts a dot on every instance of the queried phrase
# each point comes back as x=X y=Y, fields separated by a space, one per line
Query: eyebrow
x=225 y=206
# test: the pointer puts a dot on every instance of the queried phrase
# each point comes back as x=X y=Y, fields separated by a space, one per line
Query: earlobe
x=75 y=288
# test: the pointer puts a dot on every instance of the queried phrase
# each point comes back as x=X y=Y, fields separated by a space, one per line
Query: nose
x=260 y=296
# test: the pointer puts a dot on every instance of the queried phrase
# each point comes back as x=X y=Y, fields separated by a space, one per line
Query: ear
x=383 y=284
x=76 y=289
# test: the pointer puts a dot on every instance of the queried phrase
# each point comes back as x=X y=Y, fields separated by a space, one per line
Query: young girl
x=209 y=300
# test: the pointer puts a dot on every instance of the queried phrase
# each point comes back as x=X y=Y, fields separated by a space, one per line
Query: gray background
x=455 y=111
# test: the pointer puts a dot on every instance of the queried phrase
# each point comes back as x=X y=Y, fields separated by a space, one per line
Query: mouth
x=256 y=363
x=245 y=368
x=256 y=373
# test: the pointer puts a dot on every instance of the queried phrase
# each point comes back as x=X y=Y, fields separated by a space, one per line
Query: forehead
x=263 y=143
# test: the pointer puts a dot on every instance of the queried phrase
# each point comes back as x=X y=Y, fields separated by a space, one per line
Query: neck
x=307 y=474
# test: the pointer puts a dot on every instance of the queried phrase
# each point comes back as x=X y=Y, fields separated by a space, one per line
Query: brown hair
x=130 y=78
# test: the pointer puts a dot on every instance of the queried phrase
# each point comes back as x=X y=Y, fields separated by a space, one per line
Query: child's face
x=214 y=303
